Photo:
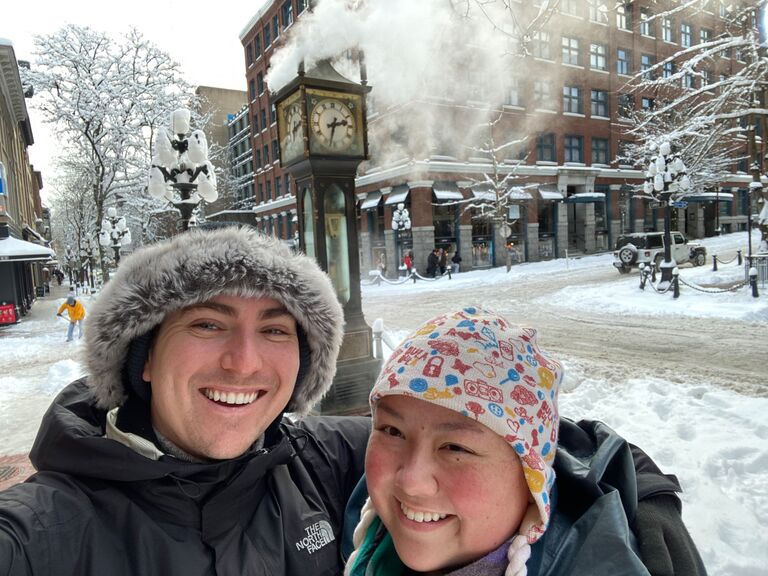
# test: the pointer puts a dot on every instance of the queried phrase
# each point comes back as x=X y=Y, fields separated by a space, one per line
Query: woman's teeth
x=420 y=516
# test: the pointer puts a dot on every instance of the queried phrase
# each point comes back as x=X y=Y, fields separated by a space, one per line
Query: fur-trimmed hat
x=193 y=268
x=476 y=363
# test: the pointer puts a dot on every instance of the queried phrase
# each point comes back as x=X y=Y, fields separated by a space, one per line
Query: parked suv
x=648 y=248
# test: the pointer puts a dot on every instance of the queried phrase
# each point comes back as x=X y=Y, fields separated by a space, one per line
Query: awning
x=15 y=250
x=550 y=192
x=484 y=191
x=585 y=198
x=398 y=194
x=447 y=191
x=371 y=200
x=707 y=197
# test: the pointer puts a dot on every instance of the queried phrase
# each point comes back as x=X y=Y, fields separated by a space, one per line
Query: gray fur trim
x=195 y=267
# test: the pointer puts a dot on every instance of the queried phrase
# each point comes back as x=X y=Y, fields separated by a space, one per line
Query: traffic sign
x=679 y=204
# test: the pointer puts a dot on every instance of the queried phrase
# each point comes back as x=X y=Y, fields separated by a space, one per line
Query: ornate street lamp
x=87 y=252
x=114 y=232
x=666 y=176
x=401 y=224
x=181 y=171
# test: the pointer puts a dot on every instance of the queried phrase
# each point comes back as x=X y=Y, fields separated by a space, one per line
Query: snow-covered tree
x=499 y=189
x=714 y=119
x=106 y=98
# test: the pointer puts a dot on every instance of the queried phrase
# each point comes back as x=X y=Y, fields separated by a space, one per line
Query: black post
x=116 y=248
x=738 y=255
x=714 y=262
x=675 y=286
x=753 y=283
x=666 y=268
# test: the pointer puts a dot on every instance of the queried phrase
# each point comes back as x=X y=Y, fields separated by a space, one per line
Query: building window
x=626 y=105
x=686 y=35
x=647 y=103
x=623 y=61
x=263 y=112
x=597 y=57
x=278 y=186
x=646 y=63
x=600 y=150
x=249 y=54
x=257 y=45
x=688 y=81
x=705 y=35
x=287 y=12
x=624 y=17
x=275 y=150
x=598 y=12
x=272 y=113
x=574 y=149
x=542 y=45
x=267 y=37
x=647 y=26
x=260 y=196
x=269 y=190
x=301 y=5
x=600 y=103
x=545 y=148
x=706 y=78
x=266 y=154
x=570 y=7
x=570 y=50
x=513 y=92
x=542 y=94
x=572 y=100
x=668 y=70
x=667 y=30
x=260 y=82
x=275 y=26
x=252 y=89
x=258 y=159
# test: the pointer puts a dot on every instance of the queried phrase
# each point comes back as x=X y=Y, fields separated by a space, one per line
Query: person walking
x=443 y=261
x=433 y=261
x=408 y=262
x=456 y=262
x=76 y=314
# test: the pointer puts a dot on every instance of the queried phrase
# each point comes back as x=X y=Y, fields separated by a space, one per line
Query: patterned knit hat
x=476 y=363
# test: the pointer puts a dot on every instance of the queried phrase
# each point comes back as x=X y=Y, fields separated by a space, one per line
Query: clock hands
x=333 y=126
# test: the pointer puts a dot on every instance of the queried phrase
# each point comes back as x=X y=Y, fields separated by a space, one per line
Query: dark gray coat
x=97 y=507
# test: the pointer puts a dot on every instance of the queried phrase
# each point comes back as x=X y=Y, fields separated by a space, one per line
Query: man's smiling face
x=221 y=372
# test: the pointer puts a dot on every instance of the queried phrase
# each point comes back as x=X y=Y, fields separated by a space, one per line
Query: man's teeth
x=231 y=397
x=420 y=516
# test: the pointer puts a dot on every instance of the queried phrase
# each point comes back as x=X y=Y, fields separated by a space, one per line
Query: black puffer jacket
x=97 y=506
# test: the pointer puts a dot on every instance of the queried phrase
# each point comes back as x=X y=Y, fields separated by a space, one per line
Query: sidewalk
x=15 y=468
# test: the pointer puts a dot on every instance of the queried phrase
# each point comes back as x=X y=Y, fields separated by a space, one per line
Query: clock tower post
x=321 y=124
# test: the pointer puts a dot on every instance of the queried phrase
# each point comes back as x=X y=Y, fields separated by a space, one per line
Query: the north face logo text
x=318 y=535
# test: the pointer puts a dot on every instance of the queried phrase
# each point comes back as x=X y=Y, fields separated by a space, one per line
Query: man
x=433 y=261
x=173 y=455
x=76 y=314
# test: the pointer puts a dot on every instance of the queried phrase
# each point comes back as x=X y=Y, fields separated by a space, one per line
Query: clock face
x=291 y=129
x=335 y=123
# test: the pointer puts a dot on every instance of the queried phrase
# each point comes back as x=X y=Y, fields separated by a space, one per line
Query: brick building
x=570 y=106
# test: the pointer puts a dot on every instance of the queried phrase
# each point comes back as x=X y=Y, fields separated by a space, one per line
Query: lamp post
x=666 y=175
x=114 y=232
x=87 y=252
x=181 y=171
x=401 y=223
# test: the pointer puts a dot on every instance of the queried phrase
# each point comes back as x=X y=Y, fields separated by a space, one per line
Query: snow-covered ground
x=694 y=422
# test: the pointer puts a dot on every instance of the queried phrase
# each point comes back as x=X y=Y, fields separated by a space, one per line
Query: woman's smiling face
x=448 y=489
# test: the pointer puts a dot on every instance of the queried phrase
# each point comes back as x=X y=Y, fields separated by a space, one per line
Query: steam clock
x=321 y=128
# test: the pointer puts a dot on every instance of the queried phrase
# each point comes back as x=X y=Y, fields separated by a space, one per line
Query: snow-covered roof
x=15 y=250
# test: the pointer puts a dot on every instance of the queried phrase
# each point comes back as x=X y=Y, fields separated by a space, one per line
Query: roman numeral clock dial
x=334 y=121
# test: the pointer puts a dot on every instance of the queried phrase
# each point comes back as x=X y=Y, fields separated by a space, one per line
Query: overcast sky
x=203 y=38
